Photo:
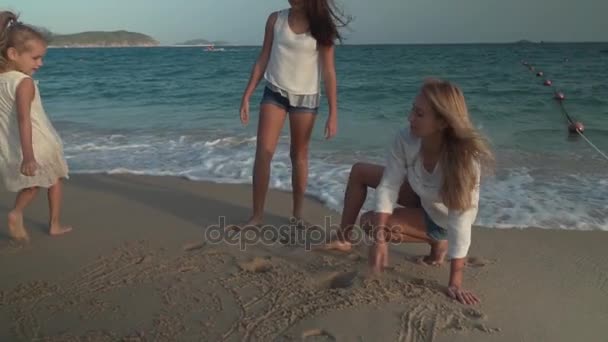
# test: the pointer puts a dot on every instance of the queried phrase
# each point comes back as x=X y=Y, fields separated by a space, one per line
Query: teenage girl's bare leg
x=271 y=122
x=301 y=125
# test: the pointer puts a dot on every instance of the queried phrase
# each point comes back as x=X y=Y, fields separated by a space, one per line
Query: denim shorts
x=433 y=230
x=271 y=97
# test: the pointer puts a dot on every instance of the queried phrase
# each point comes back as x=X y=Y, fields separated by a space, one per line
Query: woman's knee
x=357 y=172
x=366 y=174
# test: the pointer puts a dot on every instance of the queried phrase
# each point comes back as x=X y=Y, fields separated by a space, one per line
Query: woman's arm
x=394 y=173
x=387 y=193
x=459 y=241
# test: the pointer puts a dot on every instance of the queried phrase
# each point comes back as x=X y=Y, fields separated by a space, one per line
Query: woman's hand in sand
x=378 y=252
x=378 y=256
x=462 y=295
x=331 y=127
x=245 y=111
x=29 y=167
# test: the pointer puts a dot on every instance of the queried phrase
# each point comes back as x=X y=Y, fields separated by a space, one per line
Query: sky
x=374 y=21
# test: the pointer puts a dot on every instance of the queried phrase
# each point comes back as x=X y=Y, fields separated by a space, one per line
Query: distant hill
x=101 y=39
x=203 y=42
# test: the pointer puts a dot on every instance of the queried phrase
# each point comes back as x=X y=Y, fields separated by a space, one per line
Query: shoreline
x=318 y=198
x=137 y=266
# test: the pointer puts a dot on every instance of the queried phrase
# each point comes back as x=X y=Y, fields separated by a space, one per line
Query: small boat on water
x=212 y=48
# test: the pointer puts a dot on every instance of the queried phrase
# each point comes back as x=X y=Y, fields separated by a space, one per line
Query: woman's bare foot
x=338 y=245
x=16 y=230
x=57 y=229
x=439 y=250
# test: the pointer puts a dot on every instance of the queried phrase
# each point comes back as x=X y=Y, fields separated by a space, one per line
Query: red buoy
x=576 y=127
x=559 y=96
x=548 y=83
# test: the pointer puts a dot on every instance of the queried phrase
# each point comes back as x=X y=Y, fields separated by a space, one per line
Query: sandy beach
x=139 y=267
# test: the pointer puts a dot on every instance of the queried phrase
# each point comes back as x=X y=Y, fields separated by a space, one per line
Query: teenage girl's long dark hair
x=324 y=19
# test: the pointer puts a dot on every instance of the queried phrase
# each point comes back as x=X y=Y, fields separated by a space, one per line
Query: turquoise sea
x=174 y=111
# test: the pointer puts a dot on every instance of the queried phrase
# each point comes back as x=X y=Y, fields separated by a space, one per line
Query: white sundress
x=47 y=144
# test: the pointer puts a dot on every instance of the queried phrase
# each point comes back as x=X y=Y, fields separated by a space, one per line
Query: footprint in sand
x=336 y=280
x=476 y=315
x=257 y=265
x=11 y=247
x=317 y=335
x=343 y=280
x=143 y=260
x=193 y=246
x=478 y=262
x=473 y=313
x=354 y=257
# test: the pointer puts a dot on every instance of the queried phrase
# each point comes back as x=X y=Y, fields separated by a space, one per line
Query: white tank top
x=294 y=59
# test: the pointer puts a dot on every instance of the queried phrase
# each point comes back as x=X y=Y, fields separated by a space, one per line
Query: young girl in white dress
x=31 y=151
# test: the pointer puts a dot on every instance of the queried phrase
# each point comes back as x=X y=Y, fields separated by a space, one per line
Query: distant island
x=203 y=42
x=101 y=39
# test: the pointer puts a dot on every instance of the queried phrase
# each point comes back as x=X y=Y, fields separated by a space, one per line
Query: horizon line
x=337 y=45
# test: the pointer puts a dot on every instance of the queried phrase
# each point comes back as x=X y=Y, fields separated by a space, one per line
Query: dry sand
x=137 y=267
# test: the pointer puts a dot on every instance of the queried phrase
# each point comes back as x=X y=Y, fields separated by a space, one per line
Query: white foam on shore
x=515 y=198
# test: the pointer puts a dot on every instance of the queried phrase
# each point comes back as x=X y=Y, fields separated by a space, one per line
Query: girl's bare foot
x=252 y=222
x=338 y=245
x=16 y=230
x=439 y=250
x=299 y=222
x=57 y=229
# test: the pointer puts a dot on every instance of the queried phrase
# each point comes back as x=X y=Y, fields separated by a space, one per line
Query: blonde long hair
x=15 y=34
x=464 y=149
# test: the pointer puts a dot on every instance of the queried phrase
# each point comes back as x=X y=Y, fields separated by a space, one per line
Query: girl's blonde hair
x=15 y=34
x=465 y=152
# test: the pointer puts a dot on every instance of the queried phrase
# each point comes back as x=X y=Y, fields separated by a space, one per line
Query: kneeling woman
x=433 y=170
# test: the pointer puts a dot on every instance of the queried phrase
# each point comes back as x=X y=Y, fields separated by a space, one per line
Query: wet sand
x=140 y=267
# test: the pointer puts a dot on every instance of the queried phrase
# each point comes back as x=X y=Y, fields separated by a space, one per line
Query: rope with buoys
x=592 y=145
x=573 y=126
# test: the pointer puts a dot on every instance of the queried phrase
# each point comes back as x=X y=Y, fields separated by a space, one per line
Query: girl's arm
x=24 y=98
x=327 y=59
x=260 y=66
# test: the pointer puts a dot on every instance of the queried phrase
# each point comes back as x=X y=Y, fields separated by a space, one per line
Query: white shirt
x=404 y=161
x=294 y=59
